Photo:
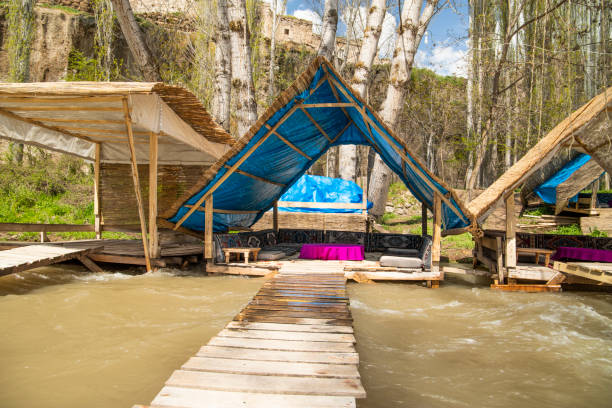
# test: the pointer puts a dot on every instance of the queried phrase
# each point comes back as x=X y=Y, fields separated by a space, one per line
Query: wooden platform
x=123 y=251
x=30 y=257
x=291 y=346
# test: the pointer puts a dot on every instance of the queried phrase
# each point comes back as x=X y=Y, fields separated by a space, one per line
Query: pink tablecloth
x=338 y=252
x=583 y=254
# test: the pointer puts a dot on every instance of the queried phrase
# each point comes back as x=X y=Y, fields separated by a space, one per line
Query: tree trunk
x=410 y=33
x=133 y=37
x=470 y=90
x=242 y=72
x=328 y=32
x=272 y=66
x=223 y=68
x=367 y=53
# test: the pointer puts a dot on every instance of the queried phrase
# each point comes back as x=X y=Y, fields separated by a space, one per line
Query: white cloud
x=443 y=60
x=311 y=16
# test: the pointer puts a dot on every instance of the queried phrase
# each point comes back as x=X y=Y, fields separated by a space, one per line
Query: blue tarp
x=319 y=189
x=548 y=190
x=268 y=156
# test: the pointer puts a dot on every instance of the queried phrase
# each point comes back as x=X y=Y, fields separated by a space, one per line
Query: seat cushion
x=403 y=252
x=401 y=261
x=270 y=255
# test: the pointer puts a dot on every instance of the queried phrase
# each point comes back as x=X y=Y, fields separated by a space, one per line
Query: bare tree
x=223 y=68
x=367 y=53
x=133 y=36
x=242 y=70
x=413 y=23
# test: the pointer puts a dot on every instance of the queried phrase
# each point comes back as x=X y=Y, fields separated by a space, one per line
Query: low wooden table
x=537 y=252
x=245 y=251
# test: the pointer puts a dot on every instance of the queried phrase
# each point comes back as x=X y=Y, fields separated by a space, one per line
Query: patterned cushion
x=378 y=242
x=553 y=241
x=300 y=236
x=345 y=237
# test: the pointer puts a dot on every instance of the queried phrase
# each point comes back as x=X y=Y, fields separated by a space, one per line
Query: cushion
x=401 y=261
x=270 y=255
x=403 y=252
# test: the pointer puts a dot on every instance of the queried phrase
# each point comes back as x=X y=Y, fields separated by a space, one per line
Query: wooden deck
x=291 y=346
x=30 y=257
x=595 y=271
x=123 y=251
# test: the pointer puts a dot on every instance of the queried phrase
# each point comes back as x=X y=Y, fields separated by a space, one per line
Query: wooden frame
x=510 y=234
x=437 y=235
x=208 y=229
x=254 y=177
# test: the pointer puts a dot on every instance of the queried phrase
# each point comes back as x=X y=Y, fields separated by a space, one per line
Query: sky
x=443 y=48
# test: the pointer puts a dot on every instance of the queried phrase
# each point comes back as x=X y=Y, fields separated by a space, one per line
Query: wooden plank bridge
x=291 y=346
x=34 y=256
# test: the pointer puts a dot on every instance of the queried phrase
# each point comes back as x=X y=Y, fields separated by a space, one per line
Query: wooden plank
x=135 y=179
x=242 y=353
x=177 y=397
x=284 y=368
x=155 y=249
x=437 y=232
x=34 y=256
x=313 y=328
x=275 y=216
x=283 y=345
x=296 y=204
x=499 y=251
x=286 y=335
x=29 y=227
x=295 y=320
x=247 y=314
x=89 y=264
x=125 y=259
x=328 y=105
x=600 y=272
x=267 y=384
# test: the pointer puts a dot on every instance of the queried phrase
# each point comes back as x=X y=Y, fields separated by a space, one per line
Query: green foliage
x=82 y=68
x=63 y=8
x=18 y=43
x=387 y=217
x=572 y=229
x=538 y=211
x=461 y=241
x=597 y=233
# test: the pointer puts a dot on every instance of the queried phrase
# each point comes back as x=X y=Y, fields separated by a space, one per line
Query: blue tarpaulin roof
x=547 y=191
x=319 y=189
x=318 y=111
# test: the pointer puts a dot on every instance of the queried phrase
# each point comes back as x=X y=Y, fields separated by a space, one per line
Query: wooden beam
x=236 y=165
x=510 y=233
x=77 y=120
x=297 y=204
x=208 y=229
x=29 y=227
x=220 y=211
x=97 y=217
x=62 y=108
x=499 y=250
x=328 y=105
x=437 y=234
x=288 y=143
x=89 y=264
x=254 y=177
x=275 y=216
x=314 y=122
x=34 y=99
x=423 y=219
x=594 y=190
x=135 y=179
x=155 y=249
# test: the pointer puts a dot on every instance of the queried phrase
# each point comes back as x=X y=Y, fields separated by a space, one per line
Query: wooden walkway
x=291 y=346
x=34 y=256
x=596 y=271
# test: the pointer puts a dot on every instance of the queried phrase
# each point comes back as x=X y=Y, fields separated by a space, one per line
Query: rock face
x=56 y=34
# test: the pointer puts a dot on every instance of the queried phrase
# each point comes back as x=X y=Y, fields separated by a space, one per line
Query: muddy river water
x=71 y=339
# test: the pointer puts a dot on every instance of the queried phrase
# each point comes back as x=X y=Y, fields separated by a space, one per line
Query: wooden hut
x=587 y=130
x=149 y=143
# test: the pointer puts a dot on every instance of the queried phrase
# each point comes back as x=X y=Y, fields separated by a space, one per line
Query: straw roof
x=179 y=99
x=577 y=182
x=589 y=129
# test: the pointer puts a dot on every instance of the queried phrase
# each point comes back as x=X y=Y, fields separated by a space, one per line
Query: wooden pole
x=594 y=190
x=500 y=260
x=423 y=219
x=154 y=247
x=97 y=220
x=437 y=234
x=208 y=228
x=275 y=216
x=135 y=179
x=510 y=234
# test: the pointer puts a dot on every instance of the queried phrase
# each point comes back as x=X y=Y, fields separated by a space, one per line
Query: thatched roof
x=588 y=128
x=72 y=117
x=577 y=182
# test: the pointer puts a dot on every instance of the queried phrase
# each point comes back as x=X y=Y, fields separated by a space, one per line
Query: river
x=71 y=338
